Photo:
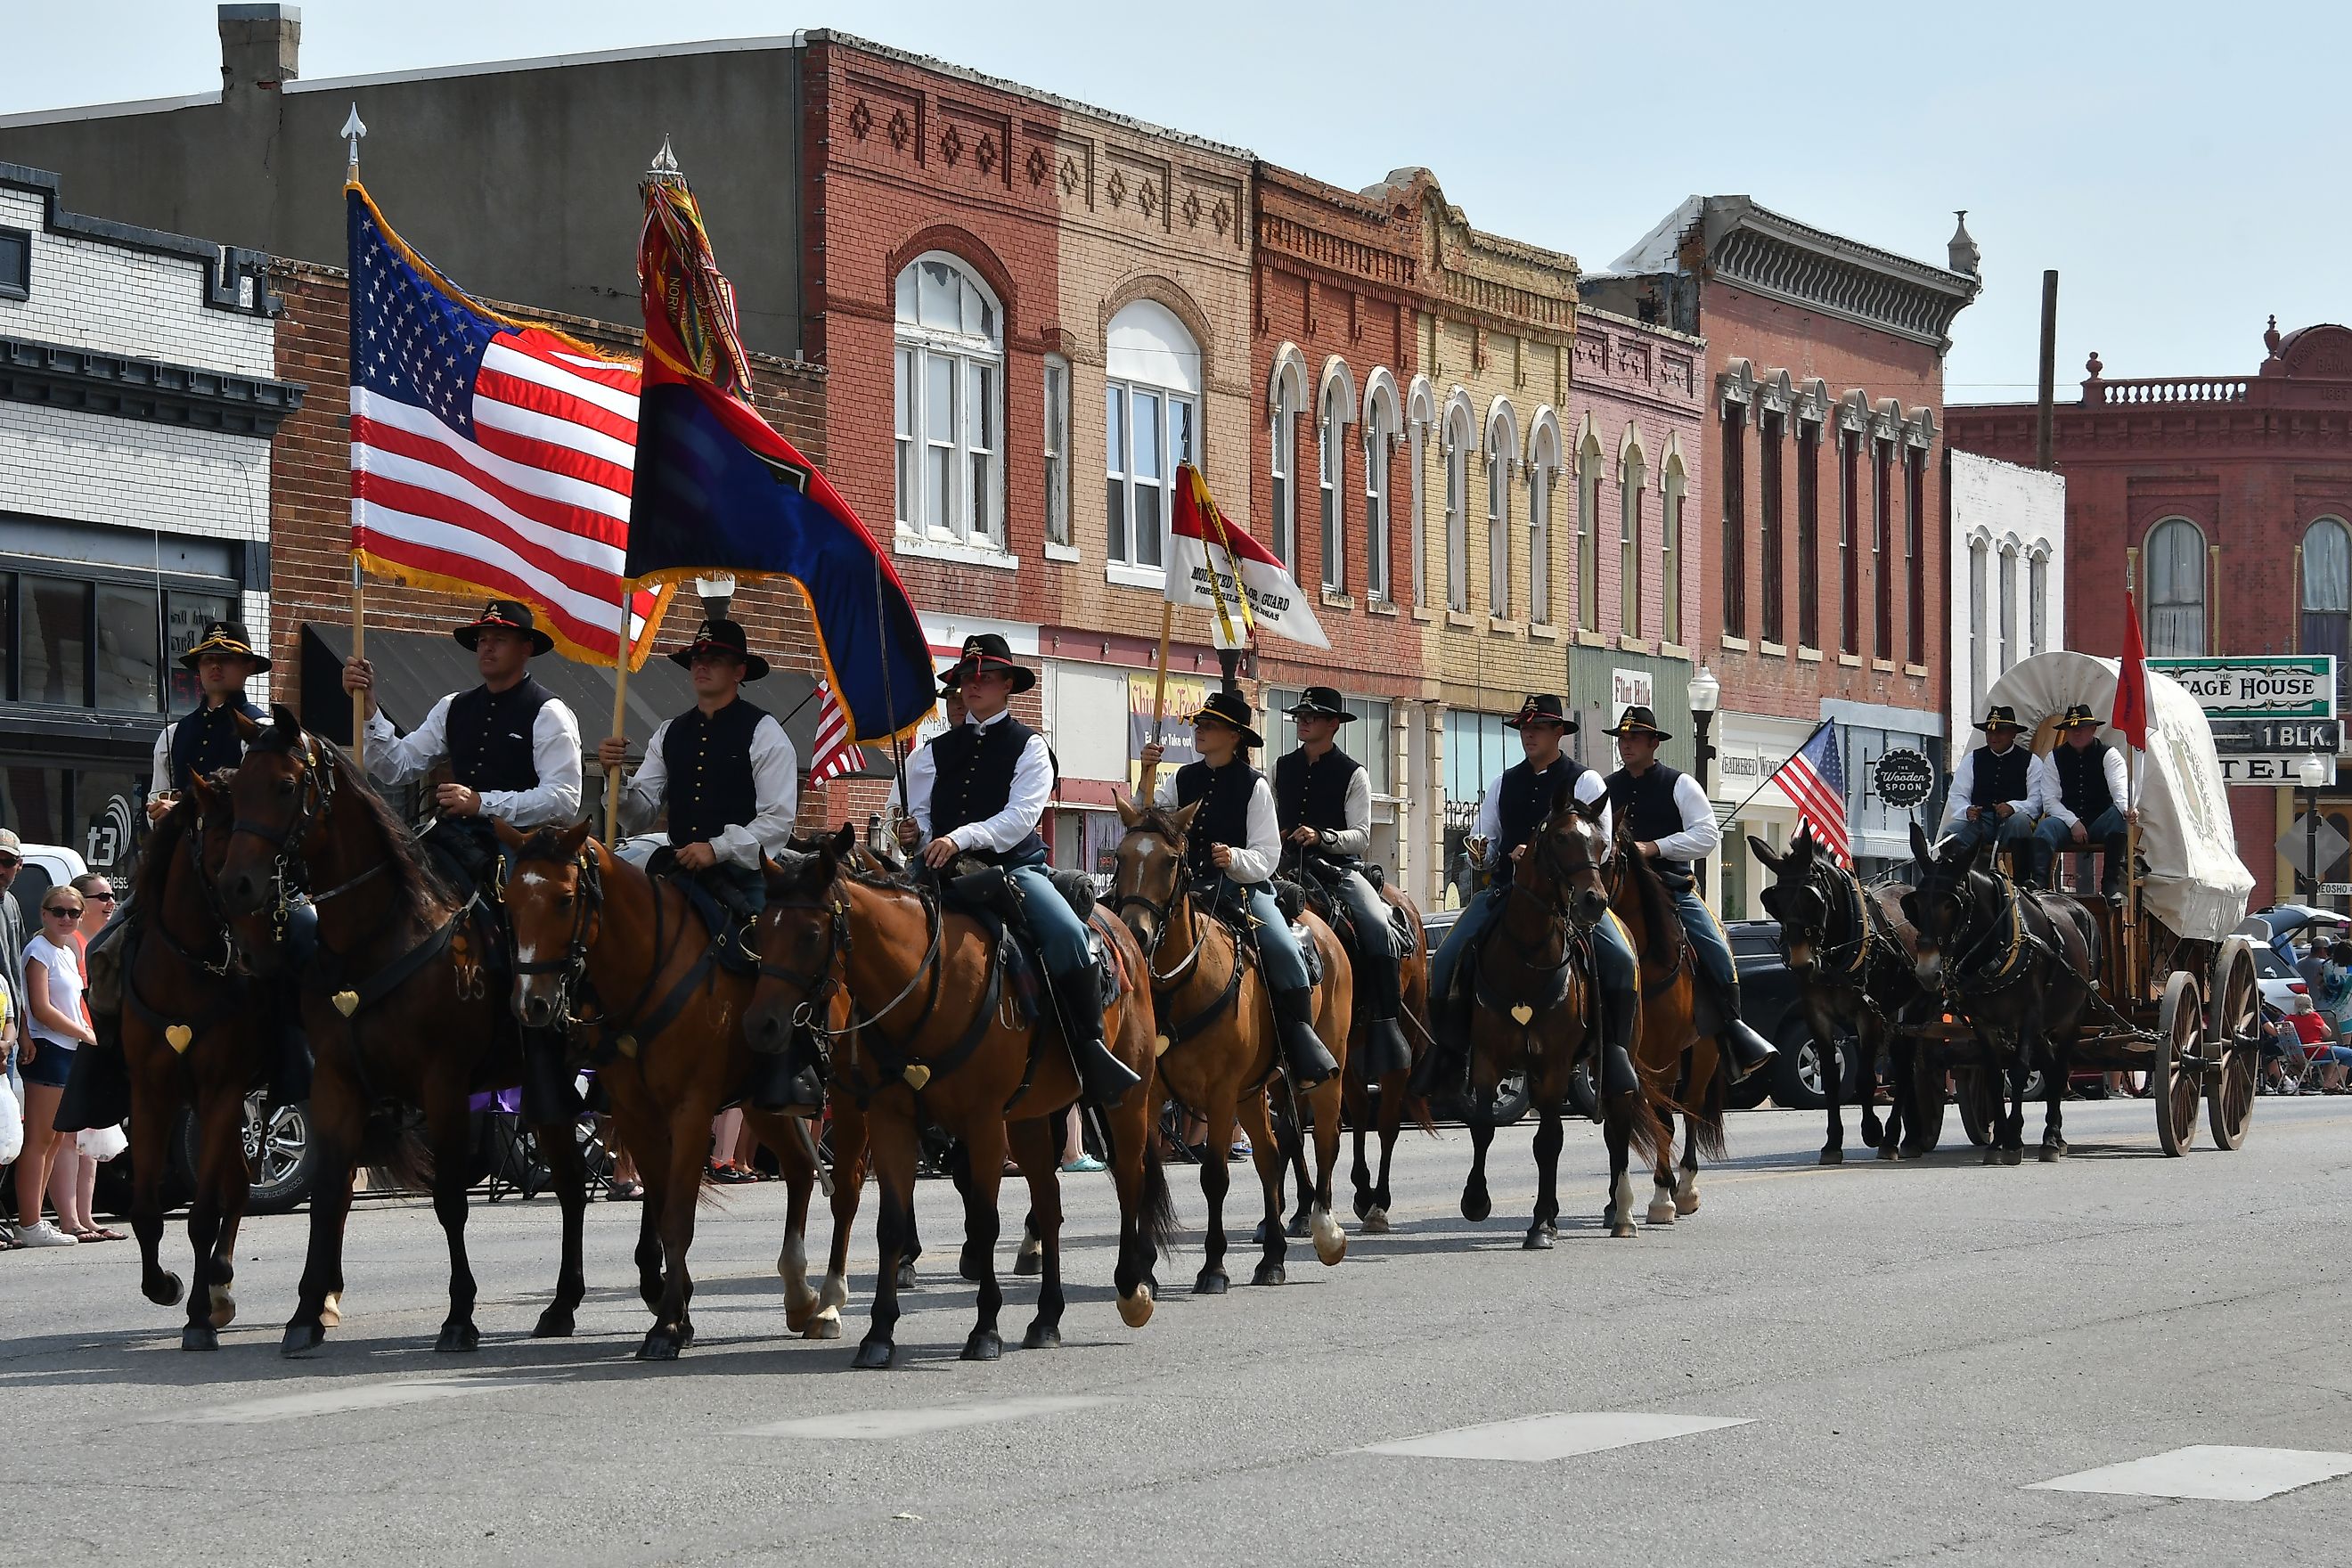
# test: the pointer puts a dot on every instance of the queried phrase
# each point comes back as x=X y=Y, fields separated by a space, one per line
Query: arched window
x=1285 y=401
x=1502 y=445
x=2327 y=595
x=1331 y=452
x=1588 y=461
x=1152 y=397
x=2038 y=598
x=1631 y=474
x=2176 y=589
x=1380 y=441
x=1543 y=468
x=1459 y=438
x=1977 y=627
x=951 y=405
x=1671 y=491
x=1421 y=421
x=2010 y=653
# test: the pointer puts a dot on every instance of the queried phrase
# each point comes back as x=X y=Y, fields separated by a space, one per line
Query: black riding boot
x=1618 y=1078
x=1750 y=1052
x=548 y=1095
x=1302 y=1048
x=1077 y=997
x=1386 y=1049
x=2111 y=872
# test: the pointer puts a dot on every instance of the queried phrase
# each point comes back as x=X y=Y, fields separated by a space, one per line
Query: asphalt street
x=1875 y=1364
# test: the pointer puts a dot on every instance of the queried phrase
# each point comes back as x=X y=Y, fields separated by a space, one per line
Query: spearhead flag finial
x=665 y=163
x=353 y=129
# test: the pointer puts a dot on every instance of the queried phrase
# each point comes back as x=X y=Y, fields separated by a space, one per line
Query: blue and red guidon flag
x=719 y=491
x=490 y=456
x=1815 y=779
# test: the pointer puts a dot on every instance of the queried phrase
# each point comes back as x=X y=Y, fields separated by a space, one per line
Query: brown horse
x=1387 y=1113
x=396 y=1014
x=938 y=1036
x=195 y=1033
x=1534 y=1009
x=627 y=965
x=1682 y=1069
x=1217 y=1021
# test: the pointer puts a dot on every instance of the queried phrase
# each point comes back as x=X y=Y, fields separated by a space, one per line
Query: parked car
x=2275 y=932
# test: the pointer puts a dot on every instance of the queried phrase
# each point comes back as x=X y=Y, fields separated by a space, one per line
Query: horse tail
x=1706 y=1123
x=1654 y=1130
x=397 y=1158
x=1159 y=1200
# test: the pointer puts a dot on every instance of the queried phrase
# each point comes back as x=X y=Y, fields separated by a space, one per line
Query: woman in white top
x=55 y=1027
x=73 y=1170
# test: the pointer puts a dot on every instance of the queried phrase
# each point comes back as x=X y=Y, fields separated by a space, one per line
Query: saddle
x=739 y=953
x=987 y=894
x=1319 y=893
x=1229 y=906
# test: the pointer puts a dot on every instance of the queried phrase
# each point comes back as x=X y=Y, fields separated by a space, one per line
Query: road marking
x=884 y=1425
x=2214 y=1472
x=1534 y=1439
x=335 y=1401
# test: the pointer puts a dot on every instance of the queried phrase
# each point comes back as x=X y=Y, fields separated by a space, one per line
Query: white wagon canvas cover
x=2195 y=884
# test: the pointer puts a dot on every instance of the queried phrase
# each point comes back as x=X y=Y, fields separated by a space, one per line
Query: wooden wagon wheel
x=2180 y=1032
x=1927 y=1101
x=1977 y=1089
x=2234 y=1038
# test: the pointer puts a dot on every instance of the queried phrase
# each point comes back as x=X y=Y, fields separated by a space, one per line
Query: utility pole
x=2043 y=411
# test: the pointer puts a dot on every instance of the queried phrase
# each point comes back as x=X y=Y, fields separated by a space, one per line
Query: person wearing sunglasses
x=55 y=1027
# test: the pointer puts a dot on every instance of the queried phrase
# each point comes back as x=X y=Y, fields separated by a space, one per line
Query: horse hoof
x=873 y=1355
x=1364 y=1205
x=459 y=1337
x=984 y=1345
x=972 y=1262
x=1538 y=1239
x=1621 y=1232
x=1833 y=1156
x=2051 y=1153
x=1477 y=1207
x=1027 y=1262
x=1301 y=1227
x=224 y=1310
x=1331 y=1241
x=1135 y=1310
x=1871 y=1134
x=164 y=1289
x=1211 y=1282
x=1889 y=1152
x=660 y=1345
x=1376 y=1223
x=1685 y=1201
x=302 y=1340
x=200 y=1337
x=905 y=1276
x=1661 y=1212
x=825 y=1325
x=2013 y=1156
x=330 y=1310
x=1270 y=1274
x=1042 y=1337
x=555 y=1323
x=1991 y=1155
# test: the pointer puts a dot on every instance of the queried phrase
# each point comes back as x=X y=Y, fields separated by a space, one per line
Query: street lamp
x=716 y=591
x=1706 y=692
x=2313 y=772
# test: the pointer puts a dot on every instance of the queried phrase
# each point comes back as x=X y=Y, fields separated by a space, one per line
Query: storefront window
x=32 y=801
x=1368 y=739
x=129 y=662
x=106 y=808
x=185 y=617
x=56 y=648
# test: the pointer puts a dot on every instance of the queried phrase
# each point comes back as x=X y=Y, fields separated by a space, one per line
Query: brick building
x=2225 y=503
x=138 y=396
x=1823 y=598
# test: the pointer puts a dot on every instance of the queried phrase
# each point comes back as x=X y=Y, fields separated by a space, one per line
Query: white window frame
x=1283 y=464
x=2195 y=644
x=1499 y=456
x=1543 y=468
x=1633 y=479
x=1127 y=556
x=1588 y=461
x=1331 y=469
x=975 y=477
x=1380 y=445
x=2007 y=602
x=1674 y=488
x=1056 y=388
x=1459 y=438
x=2037 y=600
x=1420 y=424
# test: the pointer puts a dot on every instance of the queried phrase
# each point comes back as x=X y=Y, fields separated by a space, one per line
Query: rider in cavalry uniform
x=207 y=739
x=513 y=753
x=1998 y=788
x=1672 y=824
x=982 y=794
x=1235 y=837
x=1517 y=801
x=1323 y=804
x=2091 y=804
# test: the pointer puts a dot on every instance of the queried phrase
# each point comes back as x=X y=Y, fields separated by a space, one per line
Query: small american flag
x=1815 y=779
x=832 y=755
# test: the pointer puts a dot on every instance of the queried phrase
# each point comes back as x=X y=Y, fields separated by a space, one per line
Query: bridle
x=290 y=870
x=2010 y=967
x=817 y=989
x=587 y=922
x=1163 y=915
x=1843 y=963
x=214 y=910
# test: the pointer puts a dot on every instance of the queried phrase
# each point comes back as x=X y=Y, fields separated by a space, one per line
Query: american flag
x=1815 y=779
x=488 y=456
x=831 y=750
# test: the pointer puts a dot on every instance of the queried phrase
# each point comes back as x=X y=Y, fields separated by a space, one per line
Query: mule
x=1217 y=1040
x=1856 y=958
x=1679 y=1058
x=397 y=1004
x=2021 y=965
x=937 y=1036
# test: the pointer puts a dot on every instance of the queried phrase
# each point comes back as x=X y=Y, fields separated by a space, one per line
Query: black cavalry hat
x=2078 y=717
x=726 y=636
x=1320 y=702
x=224 y=636
x=1543 y=707
x=1999 y=715
x=1232 y=709
x=1638 y=721
x=989 y=650
x=504 y=616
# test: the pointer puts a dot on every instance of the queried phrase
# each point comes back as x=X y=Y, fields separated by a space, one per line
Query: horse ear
x=1764 y=852
x=844 y=840
x=282 y=717
x=247 y=729
x=1591 y=810
x=508 y=833
x=201 y=791
x=1921 y=850
x=1964 y=860
x=1131 y=815
x=781 y=872
x=570 y=840
x=1182 y=817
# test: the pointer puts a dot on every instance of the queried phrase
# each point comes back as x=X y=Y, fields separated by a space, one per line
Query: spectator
x=2312 y=1034
x=57 y=1027
x=12 y=981
x=1076 y=1161
x=73 y=1178
x=2313 y=959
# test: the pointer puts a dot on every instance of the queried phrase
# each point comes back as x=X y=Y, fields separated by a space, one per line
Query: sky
x=2132 y=147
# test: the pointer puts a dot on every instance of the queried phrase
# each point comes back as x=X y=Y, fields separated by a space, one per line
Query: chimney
x=261 y=46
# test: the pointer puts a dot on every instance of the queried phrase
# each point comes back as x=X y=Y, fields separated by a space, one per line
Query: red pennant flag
x=2131 y=682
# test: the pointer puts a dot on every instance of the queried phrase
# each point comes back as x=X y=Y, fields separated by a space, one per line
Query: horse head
x=1149 y=873
x=1566 y=859
x=804 y=937
x=554 y=892
x=1795 y=898
x=277 y=799
x=1941 y=904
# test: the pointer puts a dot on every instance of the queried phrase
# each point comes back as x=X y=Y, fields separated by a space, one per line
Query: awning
x=416 y=670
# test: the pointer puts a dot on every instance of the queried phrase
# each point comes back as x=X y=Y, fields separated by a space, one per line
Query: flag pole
x=359 y=654
x=1733 y=814
x=1149 y=778
x=614 y=775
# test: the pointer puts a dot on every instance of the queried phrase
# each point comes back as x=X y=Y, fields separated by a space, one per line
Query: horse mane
x=162 y=847
x=1161 y=820
x=541 y=845
x=1657 y=910
x=417 y=887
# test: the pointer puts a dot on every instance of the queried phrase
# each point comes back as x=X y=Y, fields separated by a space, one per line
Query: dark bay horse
x=1856 y=959
x=1534 y=1009
x=1675 y=1052
x=1220 y=1048
x=2017 y=963
x=1381 y=1106
x=937 y=1036
x=627 y=965
x=398 y=1015
x=195 y=1035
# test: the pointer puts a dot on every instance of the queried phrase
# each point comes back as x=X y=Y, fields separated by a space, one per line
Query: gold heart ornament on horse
x=346 y=1002
x=917 y=1075
x=1522 y=1012
x=178 y=1036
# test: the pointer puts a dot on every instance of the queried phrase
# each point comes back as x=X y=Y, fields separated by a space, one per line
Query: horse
x=1855 y=957
x=195 y=1035
x=1217 y=1026
x=628 y=966
x=399 y=1014
x=937 y=1036
x=1364 y=1115
x=2017 y=963
x=1533 y=1005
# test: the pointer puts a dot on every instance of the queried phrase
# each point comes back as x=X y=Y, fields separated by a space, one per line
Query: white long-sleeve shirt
x=395 y=759
x=1256 y=861
x=1589 y=786
x=1700 y=834
x=775 y=790
x=2040 y=787
x=2118 y=787
x=1024 y=803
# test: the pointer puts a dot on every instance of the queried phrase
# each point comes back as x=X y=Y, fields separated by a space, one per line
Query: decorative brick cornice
x=1764 y=253
x=89 y=381
x=233 y=276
